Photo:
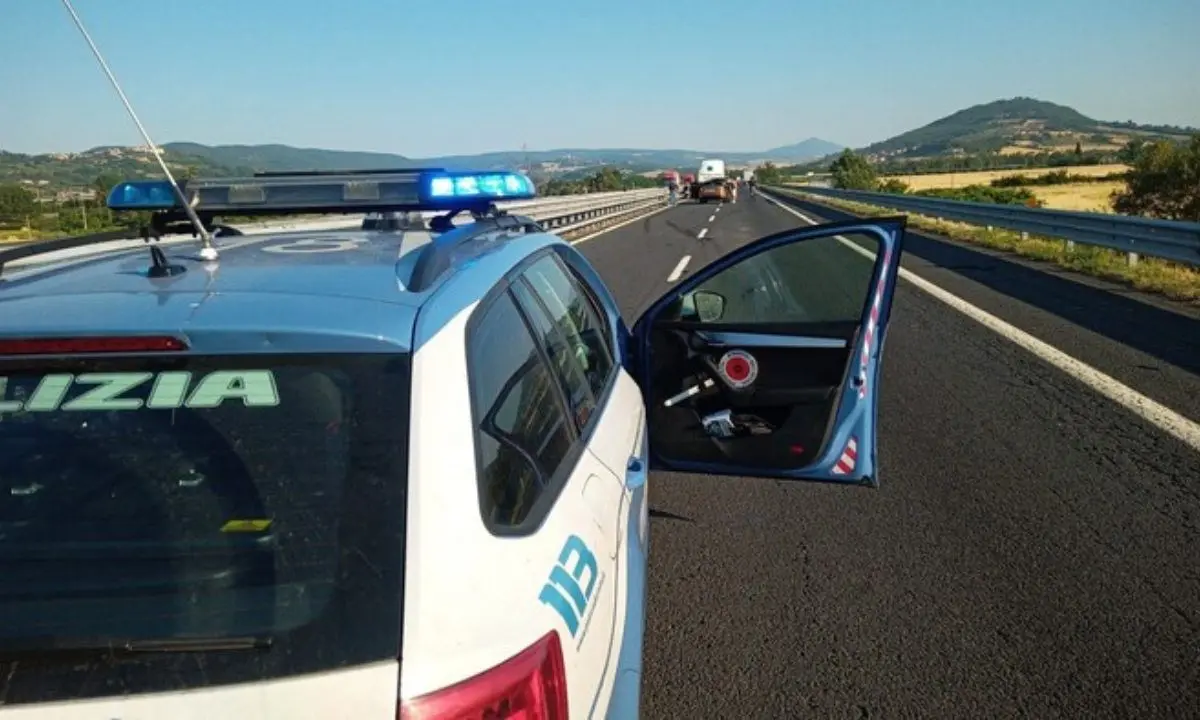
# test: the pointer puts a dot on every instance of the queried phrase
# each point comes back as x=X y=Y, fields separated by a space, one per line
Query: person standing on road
x=673 y=193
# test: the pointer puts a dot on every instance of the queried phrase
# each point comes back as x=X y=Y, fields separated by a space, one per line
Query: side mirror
x=709 y=306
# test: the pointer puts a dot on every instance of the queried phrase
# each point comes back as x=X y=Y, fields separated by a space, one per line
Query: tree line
x=1163 y=181
x=606 y=179
x=22 y=208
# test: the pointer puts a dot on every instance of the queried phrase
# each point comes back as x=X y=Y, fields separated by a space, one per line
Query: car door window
x=568 y=366
x=523 y=436
x=807 y=283
x=600 y=334
x=574 y=314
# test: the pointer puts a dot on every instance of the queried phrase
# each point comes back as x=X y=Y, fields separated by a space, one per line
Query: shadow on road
x=1113 y=312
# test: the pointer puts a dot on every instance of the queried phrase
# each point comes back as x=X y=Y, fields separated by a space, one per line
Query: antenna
x=207 y=251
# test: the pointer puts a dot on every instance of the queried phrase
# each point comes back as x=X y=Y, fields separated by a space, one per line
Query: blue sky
x=429 y=78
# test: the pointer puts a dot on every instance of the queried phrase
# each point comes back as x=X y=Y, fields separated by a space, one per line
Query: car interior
x=793 y=398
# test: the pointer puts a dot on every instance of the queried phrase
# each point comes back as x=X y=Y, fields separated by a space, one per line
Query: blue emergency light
x=327 y=192
x=143 y=195
x=496 y=186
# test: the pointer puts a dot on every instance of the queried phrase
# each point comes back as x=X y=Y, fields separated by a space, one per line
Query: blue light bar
x=142 y=195
x=310 y=192
x=480 y=186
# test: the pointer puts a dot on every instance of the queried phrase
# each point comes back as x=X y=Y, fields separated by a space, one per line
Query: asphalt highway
x=1034 y=550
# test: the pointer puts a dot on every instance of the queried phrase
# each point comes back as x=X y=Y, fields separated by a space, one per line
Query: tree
x=1078 y=149
x=768 y=174
x=1129 y=154
x=17 y=205
x=852 y=171
x=1164 y=182
x=104 y=183
x=608 y=179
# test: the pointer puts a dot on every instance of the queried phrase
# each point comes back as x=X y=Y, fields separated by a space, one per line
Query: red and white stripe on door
x=845 y=463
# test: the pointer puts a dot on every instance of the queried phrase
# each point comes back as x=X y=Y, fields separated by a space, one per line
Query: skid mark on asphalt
x=681 y=230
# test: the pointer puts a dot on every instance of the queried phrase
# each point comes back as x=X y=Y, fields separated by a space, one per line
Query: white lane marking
x=679 y=269
x=610 y=228
x=712 y=217
x=1155 y=413
x=718 y=209
x=703 y=232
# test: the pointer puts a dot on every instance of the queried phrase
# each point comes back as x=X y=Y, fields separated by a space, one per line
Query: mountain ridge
x=283 y=157
x=1013 y=126
x=81 y=168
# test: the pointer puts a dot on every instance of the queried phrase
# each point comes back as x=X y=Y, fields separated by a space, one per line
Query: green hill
x=61 y=170
x=804 y=150
x=1015 y=126
x=285 y=157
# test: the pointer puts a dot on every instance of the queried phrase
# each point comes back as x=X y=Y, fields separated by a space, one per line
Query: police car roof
x=332 y=289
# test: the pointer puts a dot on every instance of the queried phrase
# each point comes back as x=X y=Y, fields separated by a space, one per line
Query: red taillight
x=83 y=345
x=529 y=686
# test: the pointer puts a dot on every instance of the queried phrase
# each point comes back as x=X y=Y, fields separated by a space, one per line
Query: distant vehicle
x=398 y=473
x=688 y=180
x=747 y=175
x=712 y=190
x=711 y=170
x=710 y=181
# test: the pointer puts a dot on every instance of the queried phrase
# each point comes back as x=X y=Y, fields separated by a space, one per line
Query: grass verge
x=1083 y=197
x=983 y=177
x=1172 y=280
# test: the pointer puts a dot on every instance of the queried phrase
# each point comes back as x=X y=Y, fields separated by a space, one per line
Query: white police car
x=387 y=474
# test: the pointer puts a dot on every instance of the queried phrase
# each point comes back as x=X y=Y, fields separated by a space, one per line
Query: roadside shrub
x=985 y=193
x=1056 y=177
x=892 y=185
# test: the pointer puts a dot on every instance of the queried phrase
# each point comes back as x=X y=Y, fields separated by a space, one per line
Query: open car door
x=766 y=362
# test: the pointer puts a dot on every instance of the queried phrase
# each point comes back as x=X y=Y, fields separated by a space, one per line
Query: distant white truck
x=711 y=170
x=710 y=181
x=747 y=175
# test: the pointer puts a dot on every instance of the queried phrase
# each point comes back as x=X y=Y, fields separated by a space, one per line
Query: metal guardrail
x=1167 y=239
x=553 y=211
x=560 y=213
x=578 y=213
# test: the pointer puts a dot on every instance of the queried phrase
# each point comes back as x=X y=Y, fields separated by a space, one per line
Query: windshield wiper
x=120 y=647
x=172 y=645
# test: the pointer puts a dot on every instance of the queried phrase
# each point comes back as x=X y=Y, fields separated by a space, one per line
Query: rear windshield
x=259 y=498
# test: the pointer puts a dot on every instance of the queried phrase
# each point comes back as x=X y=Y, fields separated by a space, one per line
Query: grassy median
x=1172 y=280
